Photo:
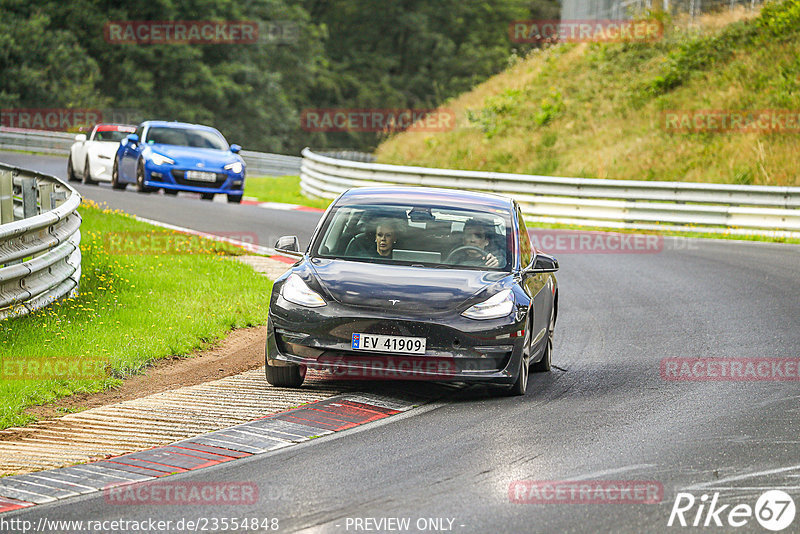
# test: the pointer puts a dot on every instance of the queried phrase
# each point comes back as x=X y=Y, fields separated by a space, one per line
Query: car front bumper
x=174 y=178
x=457 y=348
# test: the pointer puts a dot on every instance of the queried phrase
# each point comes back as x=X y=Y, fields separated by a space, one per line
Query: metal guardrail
x=682 y=206
x=40 y=255
x=265 y=164
x=59 y=143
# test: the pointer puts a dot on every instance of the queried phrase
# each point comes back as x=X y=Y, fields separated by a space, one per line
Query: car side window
x=140 y=132
x=525 y=248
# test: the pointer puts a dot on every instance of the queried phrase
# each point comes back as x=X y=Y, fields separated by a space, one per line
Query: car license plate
x=378 y=343
x=201 y=176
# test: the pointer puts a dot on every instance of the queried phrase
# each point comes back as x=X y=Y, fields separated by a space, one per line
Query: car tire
x=207 y=196
x=115 y=183
x=87 y=174
x=71 y=171
x=543 y=365
x=140 y=187
x=235 y=199
x=286 y=377
x=521 y=385
x=171 y=192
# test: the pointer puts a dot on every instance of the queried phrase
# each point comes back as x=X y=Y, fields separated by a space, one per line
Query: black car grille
x=178 y=175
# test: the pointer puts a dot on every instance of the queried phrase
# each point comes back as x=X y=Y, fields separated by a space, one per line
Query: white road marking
x=715 y=483
x=596 y=474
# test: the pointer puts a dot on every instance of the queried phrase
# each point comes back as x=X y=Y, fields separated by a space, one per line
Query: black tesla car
x=414 y=283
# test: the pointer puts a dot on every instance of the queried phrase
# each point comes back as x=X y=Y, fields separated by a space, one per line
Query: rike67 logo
x=774 y=510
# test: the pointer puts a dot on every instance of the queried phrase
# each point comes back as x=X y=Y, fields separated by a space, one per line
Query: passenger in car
x=385 y=237
x=379 y=246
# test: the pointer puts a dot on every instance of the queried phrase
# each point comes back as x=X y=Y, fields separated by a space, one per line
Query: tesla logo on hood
x=393 y=301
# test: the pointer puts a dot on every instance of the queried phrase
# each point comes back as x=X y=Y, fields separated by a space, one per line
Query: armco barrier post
x=45 y=194
x=57 y=198
x=6 y=197
x=29 y=208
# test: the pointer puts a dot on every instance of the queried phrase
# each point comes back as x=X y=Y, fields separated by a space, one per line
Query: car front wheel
x=286 y=377
x=543 y=365
x=71 y=171
x=87 y=174
x=140 y=187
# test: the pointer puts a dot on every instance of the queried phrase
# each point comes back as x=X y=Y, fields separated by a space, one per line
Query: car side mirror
x=133 y=139
x=544 y=263
x=80 y=137
x=236 y=149
x=289 y=245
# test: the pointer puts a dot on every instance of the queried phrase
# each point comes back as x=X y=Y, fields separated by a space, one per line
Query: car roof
x=112 y=126
x=399 y=195
x=176 y=124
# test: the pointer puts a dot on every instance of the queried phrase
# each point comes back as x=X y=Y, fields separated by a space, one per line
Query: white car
x=91 y=160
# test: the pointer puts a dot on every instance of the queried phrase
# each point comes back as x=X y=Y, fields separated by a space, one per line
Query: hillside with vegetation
x=601 y=110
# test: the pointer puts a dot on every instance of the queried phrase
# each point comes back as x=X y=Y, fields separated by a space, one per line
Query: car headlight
x=495 y=307
x=236 y=167
x=158 y=159
x=296 y=291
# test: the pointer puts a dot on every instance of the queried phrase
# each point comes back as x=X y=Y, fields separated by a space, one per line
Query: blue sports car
x=176 y=156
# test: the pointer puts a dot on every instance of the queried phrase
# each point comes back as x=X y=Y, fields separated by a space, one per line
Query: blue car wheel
x=140 y=187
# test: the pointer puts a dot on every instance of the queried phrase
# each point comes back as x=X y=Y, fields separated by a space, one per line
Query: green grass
x=285 y=189
x=131 y=309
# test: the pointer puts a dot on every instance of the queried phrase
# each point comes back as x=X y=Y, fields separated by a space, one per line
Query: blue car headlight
x=158 y=159
x=236 y=167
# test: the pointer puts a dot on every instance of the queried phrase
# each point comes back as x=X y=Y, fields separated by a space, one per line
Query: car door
x=130 y=155
x=537 y=286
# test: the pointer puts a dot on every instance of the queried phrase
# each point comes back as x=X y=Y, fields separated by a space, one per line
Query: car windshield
x=434 y=236
x=193 y=137
x=110 y=135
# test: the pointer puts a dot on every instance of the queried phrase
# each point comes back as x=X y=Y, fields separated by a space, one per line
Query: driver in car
x=477 y=236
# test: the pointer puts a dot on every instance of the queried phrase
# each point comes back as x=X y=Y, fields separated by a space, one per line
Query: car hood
x=184 y=155
x=401 y=288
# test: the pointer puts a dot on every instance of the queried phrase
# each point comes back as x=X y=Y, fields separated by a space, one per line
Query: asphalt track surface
x=605 y=414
